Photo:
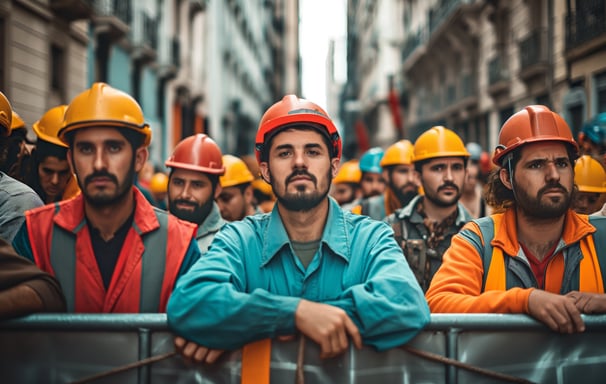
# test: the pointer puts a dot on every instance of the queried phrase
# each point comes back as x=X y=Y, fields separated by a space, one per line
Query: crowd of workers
x=237 y=250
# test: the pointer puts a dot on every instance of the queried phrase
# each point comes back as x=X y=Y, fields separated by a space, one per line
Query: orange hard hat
x=398 y=153
x=158 y=183
x=6 y=115
x=589 y=175
x=236 y=172
x=103 y=105
x=439 y=142
x=293 y=110
x=47 y=128
x=349 y=172
x=534 y=123
x=197 y=153
x=17 y=122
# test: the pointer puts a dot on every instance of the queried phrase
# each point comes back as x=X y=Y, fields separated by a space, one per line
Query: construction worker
x=193 y=185
x=236 y=198
x=425 y=227
x=592 y=138
x=346 y=185
x=471 y=196
x=372 y=182
x=263 y=197
x=15 y=196
x=590 y=179
x=158 y=186
x=108 y=247
x=402 y=183
x=539 y=257
x=18 y=151
x=308 y=266
x=51 y=176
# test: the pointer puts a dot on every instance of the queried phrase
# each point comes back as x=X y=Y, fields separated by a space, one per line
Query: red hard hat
x=292 y=109
x=197 y=153
x=534 y=123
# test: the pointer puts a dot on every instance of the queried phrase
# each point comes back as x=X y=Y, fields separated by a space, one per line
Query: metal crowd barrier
x=69 y=347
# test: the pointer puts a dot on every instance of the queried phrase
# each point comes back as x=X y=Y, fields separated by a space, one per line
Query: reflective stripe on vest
x=153 y=262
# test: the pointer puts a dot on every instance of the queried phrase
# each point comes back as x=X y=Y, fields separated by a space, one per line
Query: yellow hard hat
x=589 y=175
x=6 y=115
x=17 y=122
x=236 y=172
x=103 y=105
x=49 y=125
x=349 y=172
x=398 y=153
x=263 y=187
x=439 y=142
x=158 y=183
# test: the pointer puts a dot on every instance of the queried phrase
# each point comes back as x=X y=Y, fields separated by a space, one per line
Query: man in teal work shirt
x=306 y=267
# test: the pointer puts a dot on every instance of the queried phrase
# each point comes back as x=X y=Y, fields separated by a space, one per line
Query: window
x=600 y=87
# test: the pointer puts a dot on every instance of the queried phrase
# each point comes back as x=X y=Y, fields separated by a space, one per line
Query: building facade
x=207 y=66
x=470 y=64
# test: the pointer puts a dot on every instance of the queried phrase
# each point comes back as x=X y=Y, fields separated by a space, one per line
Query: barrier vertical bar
x=143 y=374
x=452 y=340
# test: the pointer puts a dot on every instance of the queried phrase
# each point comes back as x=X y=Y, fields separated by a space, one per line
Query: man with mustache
x=401 y=179
x=108 y=247
x=538 y=257
x=193 y=185
x=426 y=225
x=307 y=267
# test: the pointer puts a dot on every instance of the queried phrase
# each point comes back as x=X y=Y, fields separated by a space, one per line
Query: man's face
x=587 y=202
x=105 y=165
x=473 y=172
x=299 y=168
x=403 y=181
x=190 y=195
x=372 y=184
x=543 y=180
x=442 y=179
x=344 y=193
x=234 y=203
x=53 y=175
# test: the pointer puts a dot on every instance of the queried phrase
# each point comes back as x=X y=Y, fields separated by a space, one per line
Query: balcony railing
x=150 y=31
x=176 y=51
x=533 y=48
x=497 y=71
x=122 y=9
x=586 y=23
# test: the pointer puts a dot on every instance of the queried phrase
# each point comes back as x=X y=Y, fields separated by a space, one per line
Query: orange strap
x=256 y=358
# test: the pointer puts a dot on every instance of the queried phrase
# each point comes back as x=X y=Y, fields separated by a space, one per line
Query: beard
x=103 y=199
x=436 y=200
x=405 y=193
x=302 y=201
x=534 y=206
x=196 y=216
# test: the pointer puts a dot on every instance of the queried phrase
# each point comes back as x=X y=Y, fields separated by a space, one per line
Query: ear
x=334 y=165
x=504 y=176
x=265 y=174
x=218 y=190
x=141 y=155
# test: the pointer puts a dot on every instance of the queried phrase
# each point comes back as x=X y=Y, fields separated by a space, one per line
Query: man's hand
x=328 y=326
x=588 y=302
x=195 y=353
x=556 y=311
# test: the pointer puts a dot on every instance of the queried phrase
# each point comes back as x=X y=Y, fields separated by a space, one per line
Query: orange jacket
x=124 y=291
x=457 y=287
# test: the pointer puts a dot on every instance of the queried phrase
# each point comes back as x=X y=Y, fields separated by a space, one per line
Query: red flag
x=362 y=136
x=394 y=106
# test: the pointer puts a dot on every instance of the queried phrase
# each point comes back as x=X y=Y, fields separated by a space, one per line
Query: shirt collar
x=334 y=236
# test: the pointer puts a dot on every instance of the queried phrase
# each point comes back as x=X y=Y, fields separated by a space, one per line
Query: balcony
x=72 y=10
x=498 y=76
x=113 y=18
x=146 y=48
x=533 y=55
x=585 y=29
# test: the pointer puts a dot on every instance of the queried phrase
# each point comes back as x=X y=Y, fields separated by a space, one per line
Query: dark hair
x=45 y=149
x=134 y=138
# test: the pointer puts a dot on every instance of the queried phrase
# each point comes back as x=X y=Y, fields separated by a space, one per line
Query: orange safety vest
x=586 y=259
x=146 y=270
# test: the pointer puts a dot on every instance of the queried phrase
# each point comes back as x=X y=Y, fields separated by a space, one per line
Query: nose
x=55 y=178
x=552 y=171
x=99 y=160
x=299 y=159
x=448 y=174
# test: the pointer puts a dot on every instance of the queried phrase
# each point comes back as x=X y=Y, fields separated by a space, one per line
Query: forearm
x=19 y=301
x=223 y=318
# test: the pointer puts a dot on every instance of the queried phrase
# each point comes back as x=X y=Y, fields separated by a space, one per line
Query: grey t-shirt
x=305 y=251
x=15 y=199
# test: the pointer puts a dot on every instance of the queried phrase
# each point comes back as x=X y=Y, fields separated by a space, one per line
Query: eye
x=176 y=182
x=535 y=165
x=114 y=147
x=85 y=149
x=313 y=152
x=457 y=167
x=284 y=153
x=564 y=163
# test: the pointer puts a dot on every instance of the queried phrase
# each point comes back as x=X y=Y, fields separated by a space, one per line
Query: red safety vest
x=146 y=270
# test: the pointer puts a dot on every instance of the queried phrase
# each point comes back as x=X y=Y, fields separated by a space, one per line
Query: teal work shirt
x=249 y=283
